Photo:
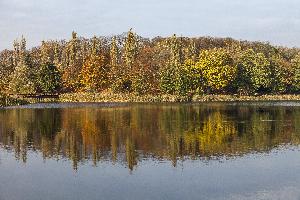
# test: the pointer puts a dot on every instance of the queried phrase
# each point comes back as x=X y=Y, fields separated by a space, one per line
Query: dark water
x=150 y=151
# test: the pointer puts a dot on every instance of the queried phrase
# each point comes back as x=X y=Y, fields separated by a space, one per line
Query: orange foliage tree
x=94 y=73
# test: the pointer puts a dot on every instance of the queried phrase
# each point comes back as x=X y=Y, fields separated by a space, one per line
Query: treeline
x=130 y=63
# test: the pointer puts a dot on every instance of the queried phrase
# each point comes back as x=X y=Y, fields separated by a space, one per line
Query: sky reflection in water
x=150 y=151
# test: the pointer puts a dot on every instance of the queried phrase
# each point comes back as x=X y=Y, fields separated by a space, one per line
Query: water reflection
x=128 y=134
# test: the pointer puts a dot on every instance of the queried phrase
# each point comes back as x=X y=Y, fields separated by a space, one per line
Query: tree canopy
x=130 y=63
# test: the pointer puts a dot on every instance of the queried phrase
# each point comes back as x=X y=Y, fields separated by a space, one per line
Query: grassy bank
x=111 y=97
x=6 y=101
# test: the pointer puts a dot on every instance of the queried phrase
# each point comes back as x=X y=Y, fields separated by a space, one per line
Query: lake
x=150 y=151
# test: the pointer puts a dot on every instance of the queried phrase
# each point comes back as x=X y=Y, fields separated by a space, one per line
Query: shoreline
x=6 y=101
x=119 y=98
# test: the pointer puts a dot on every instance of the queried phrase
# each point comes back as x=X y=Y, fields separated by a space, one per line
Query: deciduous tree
x=254 y=72
x=217 y=69
x=22 y=79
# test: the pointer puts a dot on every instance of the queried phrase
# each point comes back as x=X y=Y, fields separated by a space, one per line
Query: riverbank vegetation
x=10 y=101
x=128 y=64
x=131 y=97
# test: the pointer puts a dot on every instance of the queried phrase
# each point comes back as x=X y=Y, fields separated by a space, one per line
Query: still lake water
x=150 y=151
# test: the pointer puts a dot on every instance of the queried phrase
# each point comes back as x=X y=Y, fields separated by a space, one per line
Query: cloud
x=266 y=20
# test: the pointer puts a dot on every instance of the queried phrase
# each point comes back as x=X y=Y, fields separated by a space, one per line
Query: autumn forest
x=129 y=63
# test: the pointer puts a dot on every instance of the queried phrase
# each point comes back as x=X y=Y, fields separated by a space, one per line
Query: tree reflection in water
x=127 y=134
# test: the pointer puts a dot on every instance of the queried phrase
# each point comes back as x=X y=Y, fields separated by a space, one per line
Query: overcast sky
x=276 y=21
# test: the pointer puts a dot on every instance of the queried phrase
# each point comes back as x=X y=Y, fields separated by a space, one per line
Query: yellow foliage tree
x=94 y=73
x=217 y=68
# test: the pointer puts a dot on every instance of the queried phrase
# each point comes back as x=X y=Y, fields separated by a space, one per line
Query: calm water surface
x=150 y=151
